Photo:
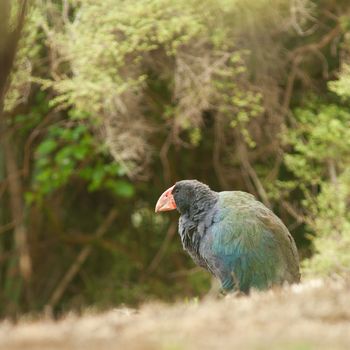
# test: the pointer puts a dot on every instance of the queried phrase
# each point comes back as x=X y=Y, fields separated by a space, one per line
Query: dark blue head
x=186 y=196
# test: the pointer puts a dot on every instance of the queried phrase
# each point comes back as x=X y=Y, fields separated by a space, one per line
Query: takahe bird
x=232 y=235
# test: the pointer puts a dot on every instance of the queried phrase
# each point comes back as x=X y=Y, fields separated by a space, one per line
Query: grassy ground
x=313 y=315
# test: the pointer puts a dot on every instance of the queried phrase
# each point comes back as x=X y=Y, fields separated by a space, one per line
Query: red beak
x=166 y=201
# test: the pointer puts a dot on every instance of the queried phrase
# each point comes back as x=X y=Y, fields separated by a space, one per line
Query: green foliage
x=127 y=48
x=115 y=39
x=321 y=161
x=341 y=86
x=321 y=158
x=71 y=151
x=322 y=137
x=332 y=227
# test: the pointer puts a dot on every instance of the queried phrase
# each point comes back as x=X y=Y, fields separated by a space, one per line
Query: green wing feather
x=251 y=245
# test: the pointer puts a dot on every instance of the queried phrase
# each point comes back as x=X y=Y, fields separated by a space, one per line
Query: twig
x=253 y=175
x=7 y=227
x=332 y=172
x=112 y=246
x=78 y=262
x=28 y=145
x=161 y=252
x=65 y=11
x=247 y=180
x=290 y=84
x=3 y=186
x=293 y=212
x=326 y=39
x=272 y=175
x=185 y=272
x=163 y=154
x=296 y=57
x=218 y=135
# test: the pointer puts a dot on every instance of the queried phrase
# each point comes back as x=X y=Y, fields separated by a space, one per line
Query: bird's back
x=248 y=246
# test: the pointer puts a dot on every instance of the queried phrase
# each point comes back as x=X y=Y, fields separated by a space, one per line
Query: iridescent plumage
x=235 y=237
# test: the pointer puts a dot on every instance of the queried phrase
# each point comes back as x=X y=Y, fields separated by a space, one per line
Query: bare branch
x=243 y=156
x=218 y=135
x=78 y=262
x=325 y=40
x=162 y=250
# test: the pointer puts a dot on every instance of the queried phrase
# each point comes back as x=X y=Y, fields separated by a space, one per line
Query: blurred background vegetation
x=109 y=102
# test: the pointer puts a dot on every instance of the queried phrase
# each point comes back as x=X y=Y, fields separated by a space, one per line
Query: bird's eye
x=176 y=190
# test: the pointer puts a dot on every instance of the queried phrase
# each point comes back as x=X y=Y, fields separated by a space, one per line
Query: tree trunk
x=17 y=209
x=9 y=39
x=9 y=43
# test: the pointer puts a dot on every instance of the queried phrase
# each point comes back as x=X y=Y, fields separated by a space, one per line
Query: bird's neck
x=201 y=204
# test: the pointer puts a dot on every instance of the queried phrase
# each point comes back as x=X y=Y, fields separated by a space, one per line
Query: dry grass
x=313 y=315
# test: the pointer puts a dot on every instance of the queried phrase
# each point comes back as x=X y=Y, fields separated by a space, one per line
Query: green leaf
x=121 y=188
x=46 y=147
